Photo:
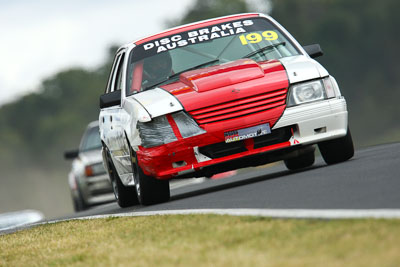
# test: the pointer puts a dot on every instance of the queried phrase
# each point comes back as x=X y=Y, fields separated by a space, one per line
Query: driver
x=157 y=68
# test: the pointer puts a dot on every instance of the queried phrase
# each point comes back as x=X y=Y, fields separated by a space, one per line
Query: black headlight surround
x=156 y=132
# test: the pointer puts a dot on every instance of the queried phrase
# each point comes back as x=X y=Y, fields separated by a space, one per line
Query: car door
x=112 y=119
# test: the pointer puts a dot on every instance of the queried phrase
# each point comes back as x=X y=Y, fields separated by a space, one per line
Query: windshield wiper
x=262 y=49
x=179 y=73
x=194 y=67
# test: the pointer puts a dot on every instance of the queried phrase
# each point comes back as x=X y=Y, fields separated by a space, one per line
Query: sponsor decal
x=247 y=32
x=237 y=135
x=197 y=36
x=255 y=37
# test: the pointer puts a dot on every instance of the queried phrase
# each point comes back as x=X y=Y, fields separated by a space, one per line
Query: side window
x=118 y=78
x=112 y=74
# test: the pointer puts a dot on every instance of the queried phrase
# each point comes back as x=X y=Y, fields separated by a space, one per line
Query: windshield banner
x=203 y=34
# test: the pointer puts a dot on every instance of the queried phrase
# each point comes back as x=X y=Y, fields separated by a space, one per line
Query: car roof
x=93 y=124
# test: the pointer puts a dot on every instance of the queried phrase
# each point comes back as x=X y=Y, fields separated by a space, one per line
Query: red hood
x=206 y=79
x=233 y=90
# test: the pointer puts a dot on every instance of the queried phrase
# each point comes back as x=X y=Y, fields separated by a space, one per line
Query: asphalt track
x=370 y=180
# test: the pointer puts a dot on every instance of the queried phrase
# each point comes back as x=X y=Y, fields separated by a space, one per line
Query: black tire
x=75 y=204
x=337 y=150
x=78 y=201
x=304 y=160
x=149 y=189
x=125 y=195
x=79 y=204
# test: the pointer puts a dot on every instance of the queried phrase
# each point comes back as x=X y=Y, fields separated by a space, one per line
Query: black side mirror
x=71 y=154
x=110 y=99
x=313 y=50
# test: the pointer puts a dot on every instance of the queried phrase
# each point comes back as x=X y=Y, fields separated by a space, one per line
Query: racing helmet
x=158 y=67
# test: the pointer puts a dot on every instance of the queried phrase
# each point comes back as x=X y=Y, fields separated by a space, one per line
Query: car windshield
x=160 y=61
x=91 y=140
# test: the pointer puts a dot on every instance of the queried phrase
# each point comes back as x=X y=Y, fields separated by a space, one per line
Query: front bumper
x=316 y=122
x=307 y=124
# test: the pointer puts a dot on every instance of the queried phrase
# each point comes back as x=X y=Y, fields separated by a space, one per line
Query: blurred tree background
x=359 y=38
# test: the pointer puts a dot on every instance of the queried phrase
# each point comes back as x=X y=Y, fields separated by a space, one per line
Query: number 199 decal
x=256 y=37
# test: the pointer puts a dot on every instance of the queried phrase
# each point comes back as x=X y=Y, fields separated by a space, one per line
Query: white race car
x=88 y=180
x=214 y=96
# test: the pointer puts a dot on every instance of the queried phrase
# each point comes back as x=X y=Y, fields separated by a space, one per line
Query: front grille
x=223 y=149
x=240 y=107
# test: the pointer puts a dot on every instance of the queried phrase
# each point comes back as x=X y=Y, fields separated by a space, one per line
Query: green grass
x=205 y=240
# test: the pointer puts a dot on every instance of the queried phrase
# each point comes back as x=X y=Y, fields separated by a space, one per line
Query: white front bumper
x=316 y=121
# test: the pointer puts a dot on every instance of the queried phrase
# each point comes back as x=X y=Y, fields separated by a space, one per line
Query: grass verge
x=205 y=240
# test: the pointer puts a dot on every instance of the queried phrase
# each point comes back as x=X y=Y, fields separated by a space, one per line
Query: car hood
x=227 y=82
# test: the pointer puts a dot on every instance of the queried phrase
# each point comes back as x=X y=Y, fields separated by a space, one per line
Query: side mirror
x=313 y=50
x=110 y=99
x=71 y=154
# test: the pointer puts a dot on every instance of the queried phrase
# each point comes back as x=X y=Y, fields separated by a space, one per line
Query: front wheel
x=337 y=150
x=125 y=195
x=78 y=203
x=149 y=189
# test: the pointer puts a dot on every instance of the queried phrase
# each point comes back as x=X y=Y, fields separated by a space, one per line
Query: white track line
x=268 y=213
x=272 y=213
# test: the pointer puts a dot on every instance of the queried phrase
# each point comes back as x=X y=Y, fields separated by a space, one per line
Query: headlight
x=159 y=131
x=306 y=92
x=95 y=169
x=186 y=125
x=156 y=132
x=311 y=91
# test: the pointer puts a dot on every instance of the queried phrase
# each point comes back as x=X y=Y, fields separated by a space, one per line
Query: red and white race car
x=214 y=96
